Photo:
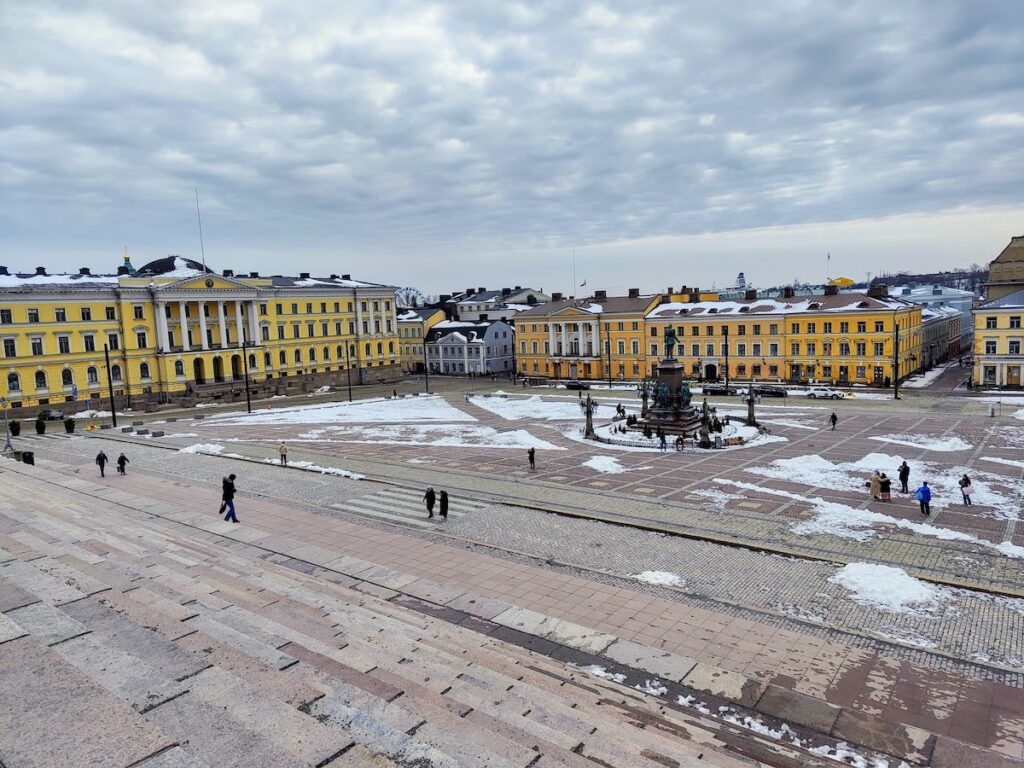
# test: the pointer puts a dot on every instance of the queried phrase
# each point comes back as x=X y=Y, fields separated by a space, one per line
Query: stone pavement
x=193 y=564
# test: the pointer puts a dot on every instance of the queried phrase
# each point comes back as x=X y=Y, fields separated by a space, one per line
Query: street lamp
x=348 y=373
x=245 y=367
x=8 y=448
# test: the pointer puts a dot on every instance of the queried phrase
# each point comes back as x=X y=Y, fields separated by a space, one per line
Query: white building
x=482 y=305
x=934 y=296
x=460 y=348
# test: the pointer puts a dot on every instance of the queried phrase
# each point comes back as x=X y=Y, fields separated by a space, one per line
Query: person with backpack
x=966 y=489
x=122 y=461
x=924 y=498
x=904 y=475
x=101 y=462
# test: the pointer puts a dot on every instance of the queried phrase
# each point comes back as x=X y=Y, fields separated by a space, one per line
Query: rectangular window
x=795 y=348
x=90 y=342
x=826 y=348
x=741 y=330
x=862 y=349
x=654 y=350
x=709 y=349
x=844 y=349
x=33 y=315
x=826 y=371
x=60 y=315
x=654 y=331
x=295 y=330
x=279 y=309
x=827 y=327
x=86 y=313
x=64 y=345
x=5 y=317
x=265 y=332
x=879 y=326
x=773 y=370
x=112 y=314
x=622 y=347
x=323 y=307
x=725 y=348
x=309 y=308
x=140 y=311
x=10 y=350
x=811 y=348
x=990 y=322
x=725 y=330
x=635 y=326
x=862 y=327
x=794 y=328
x=310 y=329
x=1014 y=347
x=773 y=349
x=812 y=327
x=757 y=329
x=37 y=346
x=376 y=306
x=741 y=369
x=280 y=331
x=756 y=369
x=773 y=329
x=295 y=309
x=351 y=328
x=862 y=371
x=879 y=348
x=337 y=329
x=636 y=347
x=1015 y=321
x=844 y=327
x=337 y=307
x=990 y=347
x=756 y=350
x=112 y=341
x=695 y=350
x=709 y=330
x=741 y=349
x=323 y=329
x=140 y=339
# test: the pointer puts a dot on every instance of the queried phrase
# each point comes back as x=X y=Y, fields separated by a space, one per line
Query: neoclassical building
x=174 y=328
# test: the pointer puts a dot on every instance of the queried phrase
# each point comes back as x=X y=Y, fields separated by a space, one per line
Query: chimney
x=334 y=276
x=789 y=293
x=695 y=296
x=634 y=293
x=750 y=294
x=41 y=271
x=4 y=272
x=556 y=296
x=228 y=273
x=254 y=274
x=346 y=277
x=600 y=294
x=84 y=272
x=506 y=291
x=830 y=290
x=444 y=297
x=303 y=275
x=878 y=291
x=469 y=291
x=684 y=290
x=481 y=289
x=122 y=270
x=519 y=288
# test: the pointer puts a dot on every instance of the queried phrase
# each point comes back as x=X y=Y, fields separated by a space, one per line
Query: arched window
x=252 y=362
x=327 y=353
x=367 y=350
x=115 y=372
x=143 y=370
x=312 y=354
x=380 y=348
x=341 y=352
x=40 y=380
x=266 y=360
x=391 y=347
x=298 y=355
x=282 y=358
x=179 y=368
x=13 y=382
x=352 y=350
x=92 y=375
x=66 y=379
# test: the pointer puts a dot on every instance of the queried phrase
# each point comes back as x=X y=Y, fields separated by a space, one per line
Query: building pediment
x=207 y=282
x=572 y=312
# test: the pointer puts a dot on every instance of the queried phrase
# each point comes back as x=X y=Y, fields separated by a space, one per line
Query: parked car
x=719 y=389
x=826 y=393
x=766 y=391
x=50 y=414
x=574 y=384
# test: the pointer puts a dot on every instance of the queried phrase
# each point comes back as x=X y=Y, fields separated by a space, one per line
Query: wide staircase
x=130 y=639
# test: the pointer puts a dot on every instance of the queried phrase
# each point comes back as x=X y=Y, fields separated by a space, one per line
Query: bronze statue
x=670 y=342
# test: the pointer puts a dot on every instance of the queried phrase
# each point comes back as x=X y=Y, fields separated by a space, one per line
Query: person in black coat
x=904 y=475
x=101 y=462
x=228 y=498
x=122 y=461
x=532 y=454
x=429 y=498
x=444 y=505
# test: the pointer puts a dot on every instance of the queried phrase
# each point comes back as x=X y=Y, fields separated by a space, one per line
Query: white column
x=182 y=321
x=161 y=326
x=551 y=339
x=594 y=347
x=565 y=340
x=465 y=356
x=220 y=322
x=238 y=323
x=254 y=324
x=202 y=325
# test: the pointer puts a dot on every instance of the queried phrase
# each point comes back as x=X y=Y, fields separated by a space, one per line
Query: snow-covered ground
x=659 y=578
x=376 y=411
x=889 y=589
x=608 y=465
x=535 y=407
x=924 y=379
x=450 y=435
x=926 y=442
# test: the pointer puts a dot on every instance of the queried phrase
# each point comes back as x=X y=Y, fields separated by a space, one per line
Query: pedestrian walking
x=228 y=498
x=874 y=484
x=833 y=420
x=101 y=462
x=966 y=489
x=429 y=498
x=532 y=455
x=122 y=461
x=904 y=475
x=924 y=497
x=283 y=450
x=885 y=488
x=443 y=508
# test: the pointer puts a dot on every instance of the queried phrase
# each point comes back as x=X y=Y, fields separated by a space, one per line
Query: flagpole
x=574 y=272
x=828 y=263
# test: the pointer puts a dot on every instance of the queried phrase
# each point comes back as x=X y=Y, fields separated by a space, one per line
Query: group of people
x=101 y=462
x=880 y=487
x=431 y=498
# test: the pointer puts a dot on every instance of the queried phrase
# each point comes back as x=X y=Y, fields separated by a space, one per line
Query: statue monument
x=667 y=397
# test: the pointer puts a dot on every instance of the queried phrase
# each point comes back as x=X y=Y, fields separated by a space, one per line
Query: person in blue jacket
x=924 y=497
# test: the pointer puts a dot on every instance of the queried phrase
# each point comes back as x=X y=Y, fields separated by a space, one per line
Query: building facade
x=461 y=348
x=413 y=326
x=997 y=342
x=174 y=328
x=1006 y=271
x=505 y=304
x=941 y=298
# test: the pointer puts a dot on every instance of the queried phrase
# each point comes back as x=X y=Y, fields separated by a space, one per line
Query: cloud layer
x=420 y=135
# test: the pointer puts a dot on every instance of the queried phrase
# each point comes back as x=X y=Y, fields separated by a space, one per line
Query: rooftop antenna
x=202 y=249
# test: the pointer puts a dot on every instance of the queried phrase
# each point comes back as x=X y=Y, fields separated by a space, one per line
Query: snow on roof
x=839 y=303
x=595 y=309
x=39 y=281
x=519 y=307
x=182 y=269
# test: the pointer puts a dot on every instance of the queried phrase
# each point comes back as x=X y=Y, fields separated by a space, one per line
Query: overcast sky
x=444 y=145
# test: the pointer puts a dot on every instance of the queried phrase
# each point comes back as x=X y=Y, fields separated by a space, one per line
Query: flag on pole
x=583 y=284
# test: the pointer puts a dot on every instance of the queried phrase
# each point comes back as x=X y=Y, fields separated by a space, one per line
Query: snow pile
x=653 y=687
x=692 y=703
x=609 y=465
x=889 y=589
x=717 y=496
x=311 y=467
x=448 y=435
x=207 y=448
x=659 y=578
x=1006 y=462
x=598 y=671
x=924 y=379
x=375 y=411
x=534 y=407
x=321 y=390
x=93 y=415
x=926 y=442
x=813 y=471
x=1013 y=436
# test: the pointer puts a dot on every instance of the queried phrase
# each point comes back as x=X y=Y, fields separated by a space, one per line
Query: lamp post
x=245 y=368
x=608 y=347
x=7 y=429
x=110 y=387
x=348 y=373
x=426 y=369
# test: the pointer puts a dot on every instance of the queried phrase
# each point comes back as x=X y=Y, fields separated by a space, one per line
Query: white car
x=826 y=393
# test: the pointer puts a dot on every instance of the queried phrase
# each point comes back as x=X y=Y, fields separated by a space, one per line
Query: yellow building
x=413 y=326
x=175 y=328
x=997 y=341
x=1006 y=271
x=844 y=338
x=598 y=338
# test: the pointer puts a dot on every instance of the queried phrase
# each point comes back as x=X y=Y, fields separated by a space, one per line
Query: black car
x=50 y=414
x=770 y=391
x=719 y=389
x=574 y=384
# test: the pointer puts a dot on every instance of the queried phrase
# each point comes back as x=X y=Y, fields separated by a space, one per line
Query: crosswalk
x=406 y=506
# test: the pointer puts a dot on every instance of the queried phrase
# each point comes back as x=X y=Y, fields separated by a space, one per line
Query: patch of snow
x=659 y=578
x=94 y=415
x=599 y=671
x=924 y=379
x=889 y=589
x=692 y=703
x=311 y=467
x=926 y=442
x=653 y=687
x=207 y=448
x=447 y=435
x=1007 y=462
x=182 y=434
x=609 y=465
x=533 y=407
x=717 y=496
x=374 y=411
